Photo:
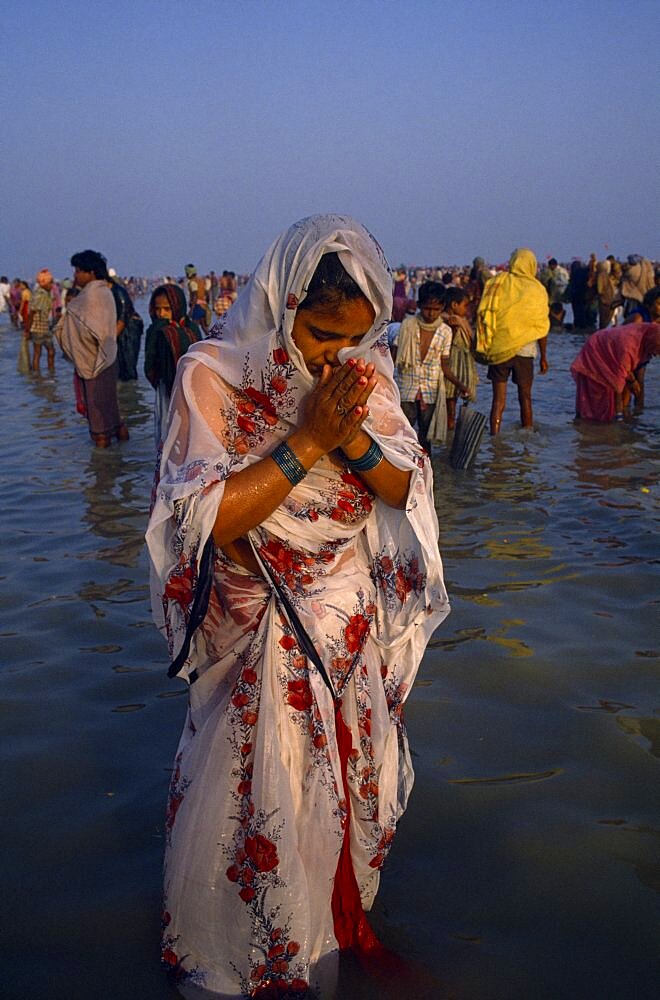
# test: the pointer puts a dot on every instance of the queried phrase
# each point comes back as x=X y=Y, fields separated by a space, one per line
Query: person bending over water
x=607 y=369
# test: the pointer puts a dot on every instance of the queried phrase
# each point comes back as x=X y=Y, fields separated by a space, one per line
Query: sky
x=163 y=133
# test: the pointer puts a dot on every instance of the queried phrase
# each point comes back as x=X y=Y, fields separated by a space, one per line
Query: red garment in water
x=601 y=368
x=81 y=405
x=352 y=929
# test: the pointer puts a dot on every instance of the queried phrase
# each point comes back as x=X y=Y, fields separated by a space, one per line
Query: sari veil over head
x=176 y=299
x=278 y=286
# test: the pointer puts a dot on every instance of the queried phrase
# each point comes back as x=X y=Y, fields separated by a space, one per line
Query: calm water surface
x=528 y=862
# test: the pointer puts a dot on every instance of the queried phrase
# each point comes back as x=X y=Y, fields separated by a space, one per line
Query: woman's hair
x=330 y=286
x=91 y=260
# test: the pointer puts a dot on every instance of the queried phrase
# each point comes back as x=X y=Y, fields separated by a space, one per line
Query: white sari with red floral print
x=258 y=808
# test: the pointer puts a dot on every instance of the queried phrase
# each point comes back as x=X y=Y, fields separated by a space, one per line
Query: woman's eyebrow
x=334 y=333
x=324 y=333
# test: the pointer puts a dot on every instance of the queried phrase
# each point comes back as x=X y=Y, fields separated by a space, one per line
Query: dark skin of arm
x=252 y=494
x=449 y=375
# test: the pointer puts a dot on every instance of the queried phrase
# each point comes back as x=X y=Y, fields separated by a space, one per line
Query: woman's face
x=320 y=334
x=162 y=307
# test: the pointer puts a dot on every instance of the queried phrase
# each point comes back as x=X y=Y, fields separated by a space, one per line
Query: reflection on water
x=506 y=779
x=530 y=845
x=519 y=545
x=647 y=729
x=114 y=494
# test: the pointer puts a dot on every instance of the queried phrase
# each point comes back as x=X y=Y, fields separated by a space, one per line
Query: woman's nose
x=332 y=352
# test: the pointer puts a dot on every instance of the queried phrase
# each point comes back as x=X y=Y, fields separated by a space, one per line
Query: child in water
x=461 y=360
x=168 y=338
x=423 y=366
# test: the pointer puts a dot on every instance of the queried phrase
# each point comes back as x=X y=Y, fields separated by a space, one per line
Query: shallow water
x=526 y=865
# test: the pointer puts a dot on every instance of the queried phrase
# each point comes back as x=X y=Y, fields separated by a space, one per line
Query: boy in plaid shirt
x=422 y=365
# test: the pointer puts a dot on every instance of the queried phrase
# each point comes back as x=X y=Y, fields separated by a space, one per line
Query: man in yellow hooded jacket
x=512 y=330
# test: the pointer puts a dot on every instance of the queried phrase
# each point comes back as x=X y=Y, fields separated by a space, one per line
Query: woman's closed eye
x=326 y=335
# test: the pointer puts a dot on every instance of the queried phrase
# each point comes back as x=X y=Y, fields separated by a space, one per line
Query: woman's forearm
x=252 y=494
x=385 y=480
x=331 y=419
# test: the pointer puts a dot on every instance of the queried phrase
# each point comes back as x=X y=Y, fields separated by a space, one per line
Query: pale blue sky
x=166 y=132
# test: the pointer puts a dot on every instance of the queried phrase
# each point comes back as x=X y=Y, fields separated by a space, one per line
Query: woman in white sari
x=290 y=473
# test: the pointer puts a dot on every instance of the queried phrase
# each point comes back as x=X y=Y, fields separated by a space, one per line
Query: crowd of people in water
x=293 y=545
x=444 y=320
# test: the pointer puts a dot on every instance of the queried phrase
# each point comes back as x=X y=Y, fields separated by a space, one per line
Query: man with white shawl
x=293 y=769
x=87 y=334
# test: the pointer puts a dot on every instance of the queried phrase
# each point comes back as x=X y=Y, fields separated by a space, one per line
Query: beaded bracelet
x=372 y=457
x=294 y=471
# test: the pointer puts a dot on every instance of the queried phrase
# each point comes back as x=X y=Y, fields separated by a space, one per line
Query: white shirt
x=528 y=350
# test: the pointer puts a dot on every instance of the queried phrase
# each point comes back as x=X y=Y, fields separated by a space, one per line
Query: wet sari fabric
x=281 y=795
x=609 y=357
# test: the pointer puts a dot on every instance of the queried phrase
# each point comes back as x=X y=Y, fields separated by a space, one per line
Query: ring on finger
x=341 y=409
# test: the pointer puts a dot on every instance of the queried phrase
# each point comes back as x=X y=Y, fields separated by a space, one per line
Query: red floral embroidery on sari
x=398 y=577
x=299 y=695
x=356 y=632
x=179 y=587
x=262 y=853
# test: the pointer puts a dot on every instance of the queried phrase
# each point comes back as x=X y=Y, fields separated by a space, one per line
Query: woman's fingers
x=353 y=384
x=361 y=392
x=353 y=419
x=336 y=407
x=344 y=378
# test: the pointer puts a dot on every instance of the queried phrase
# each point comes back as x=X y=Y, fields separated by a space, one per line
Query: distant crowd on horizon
x=438 y=317
x=596 y=290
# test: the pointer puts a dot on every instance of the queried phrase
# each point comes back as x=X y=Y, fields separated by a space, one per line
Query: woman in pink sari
x=606 y=369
